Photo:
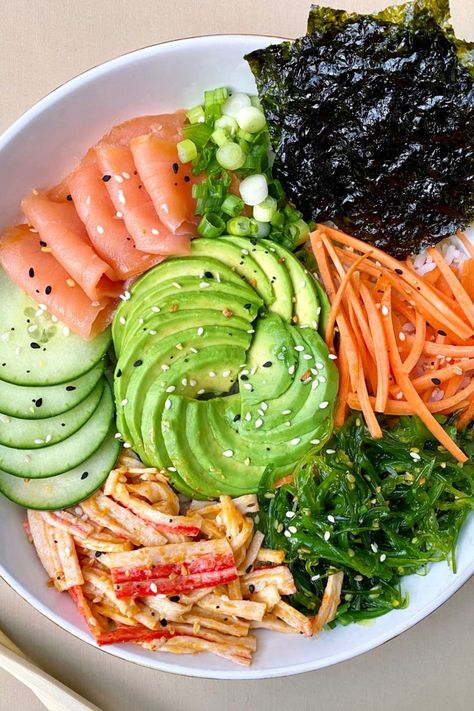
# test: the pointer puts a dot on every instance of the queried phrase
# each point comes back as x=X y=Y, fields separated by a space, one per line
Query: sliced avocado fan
x=221 y=371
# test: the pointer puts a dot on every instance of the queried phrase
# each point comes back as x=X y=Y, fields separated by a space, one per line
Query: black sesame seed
x=267 y=364
x=248 y=569
x=399 y=271
x=37 y=291
x=175 y=167
x=163 y=622
x=106 y=178
x=43 y=244
x=187 y=178
x=237 y=417
x=175 y=598
x=48 y=289
x=442 y=333
x=34 y=345
x=137 y=363
x=84 y=475
x=70 y=388
x=244 y=377
x=247 y=306
x=253 y=241
x=175 y=185
x=98 y=554
x=69 y=198
x=118 y=374
x=208 y=275
x=39 y=402
x=251 y=589
x=436 y=381
x=31 y=272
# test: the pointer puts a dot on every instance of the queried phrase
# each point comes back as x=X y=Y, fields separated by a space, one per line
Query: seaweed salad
x=371 y=119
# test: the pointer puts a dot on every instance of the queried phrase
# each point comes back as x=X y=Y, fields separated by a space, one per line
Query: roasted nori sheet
x=371 y=119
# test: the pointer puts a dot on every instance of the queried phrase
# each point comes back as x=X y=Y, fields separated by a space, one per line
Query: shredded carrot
x=406 y=341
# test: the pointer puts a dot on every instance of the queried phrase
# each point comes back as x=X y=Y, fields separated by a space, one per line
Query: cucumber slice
x=66 y=489
x=58 y=458
x=34 y=349
x=33 y=402
x=24 y=434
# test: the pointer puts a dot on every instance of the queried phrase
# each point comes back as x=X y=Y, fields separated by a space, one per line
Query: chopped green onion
x=198 y=133
x=234 y=103
x=220 y=136
x=232 y=205
x=253 y=189
x=275 y=189
x=278 y=220
x=292 y=214
x=244 y=136
x=259 y=229
x=298 y=231
x=228 y=123
x=264 y=211
x=211 y=225
x=187 y=150
x=239 y=226
x=255 y=101
x=213 y=101
x=251 y=119
x=230 y=156
x=196 y=114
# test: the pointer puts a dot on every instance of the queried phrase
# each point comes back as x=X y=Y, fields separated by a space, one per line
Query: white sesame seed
x=48 y=439
x=307 y=356
x=315 y=577
x=39 y=441
x=118 y=178
x=331 y=356
x=226 y=373
x=292 y=529
x=200 y=331
x=385 y=311
x=201 y=391
x=248 y=417
x=156 y=309
x=184 y=382
x=251 y=330
x=359 y=578
x=153 y=588
x=295 y=441
x=287 y=534
x=176 y=285
x=331 y=519
x=121 y=197
x=88 y=200
x=315 y=384
x=315 y=441
x=32 y=328
x=126 y=175
x=212 y=374
x=299 y=348
x=193 y=350
x=330 y=451
x=170 y=389
x=204 y=284
x=247 y=386
x=314 y=324
x=258 y=423
x=164 y=366
x=327 y=535
x=374 y=547
x=415 y=456
x=383 y=557
x=291 y=369
x=127 y=445
x=286 y=412
x=319 y=366
x=321 y=378
x=290 y=514
x=122 y=320
x=192 y=382
x=154 y=231
x=100 y=230
x=261 y=412
x=323 y=405
x=117 y=435
x=167 y=403
x=228 y=453
x=66 y=331
x=119 y=214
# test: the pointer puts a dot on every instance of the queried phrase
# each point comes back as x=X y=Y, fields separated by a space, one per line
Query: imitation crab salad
x=237 y=363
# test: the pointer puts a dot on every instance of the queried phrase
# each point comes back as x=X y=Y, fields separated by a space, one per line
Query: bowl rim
x=125 y=652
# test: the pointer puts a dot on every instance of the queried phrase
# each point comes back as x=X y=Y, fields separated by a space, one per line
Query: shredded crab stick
x=182 y=595
x=58 y=225
x=36 y=271
x=420 y=357
x=107 y=232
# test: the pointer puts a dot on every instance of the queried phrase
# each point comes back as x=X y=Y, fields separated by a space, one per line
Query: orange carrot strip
x=380 y=348
x=392 y=407
x=466 y=417
x=417 y=345
x=403 y=380
x=460 y=294
x=444 y=374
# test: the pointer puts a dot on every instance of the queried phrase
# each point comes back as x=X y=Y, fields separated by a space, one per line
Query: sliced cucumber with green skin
x=60 y=457
x=25 y=434
x=32 y=402
x=65 y=489
x=35 y=349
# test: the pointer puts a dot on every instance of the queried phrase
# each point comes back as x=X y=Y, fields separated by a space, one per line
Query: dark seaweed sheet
x=372 y=123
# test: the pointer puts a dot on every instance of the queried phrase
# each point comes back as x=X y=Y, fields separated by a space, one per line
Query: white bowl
x=37 y=151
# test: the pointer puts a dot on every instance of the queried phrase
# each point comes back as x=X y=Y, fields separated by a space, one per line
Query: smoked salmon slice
x=42 y=277
x=106 y=229
x=156 y=160
x=60 y=227
x=132 y=202
x=167 y=126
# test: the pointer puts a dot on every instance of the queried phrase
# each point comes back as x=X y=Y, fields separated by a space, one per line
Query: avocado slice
x=270 y=262
x=306 y=306
x=191 y=377
x=239 y=259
